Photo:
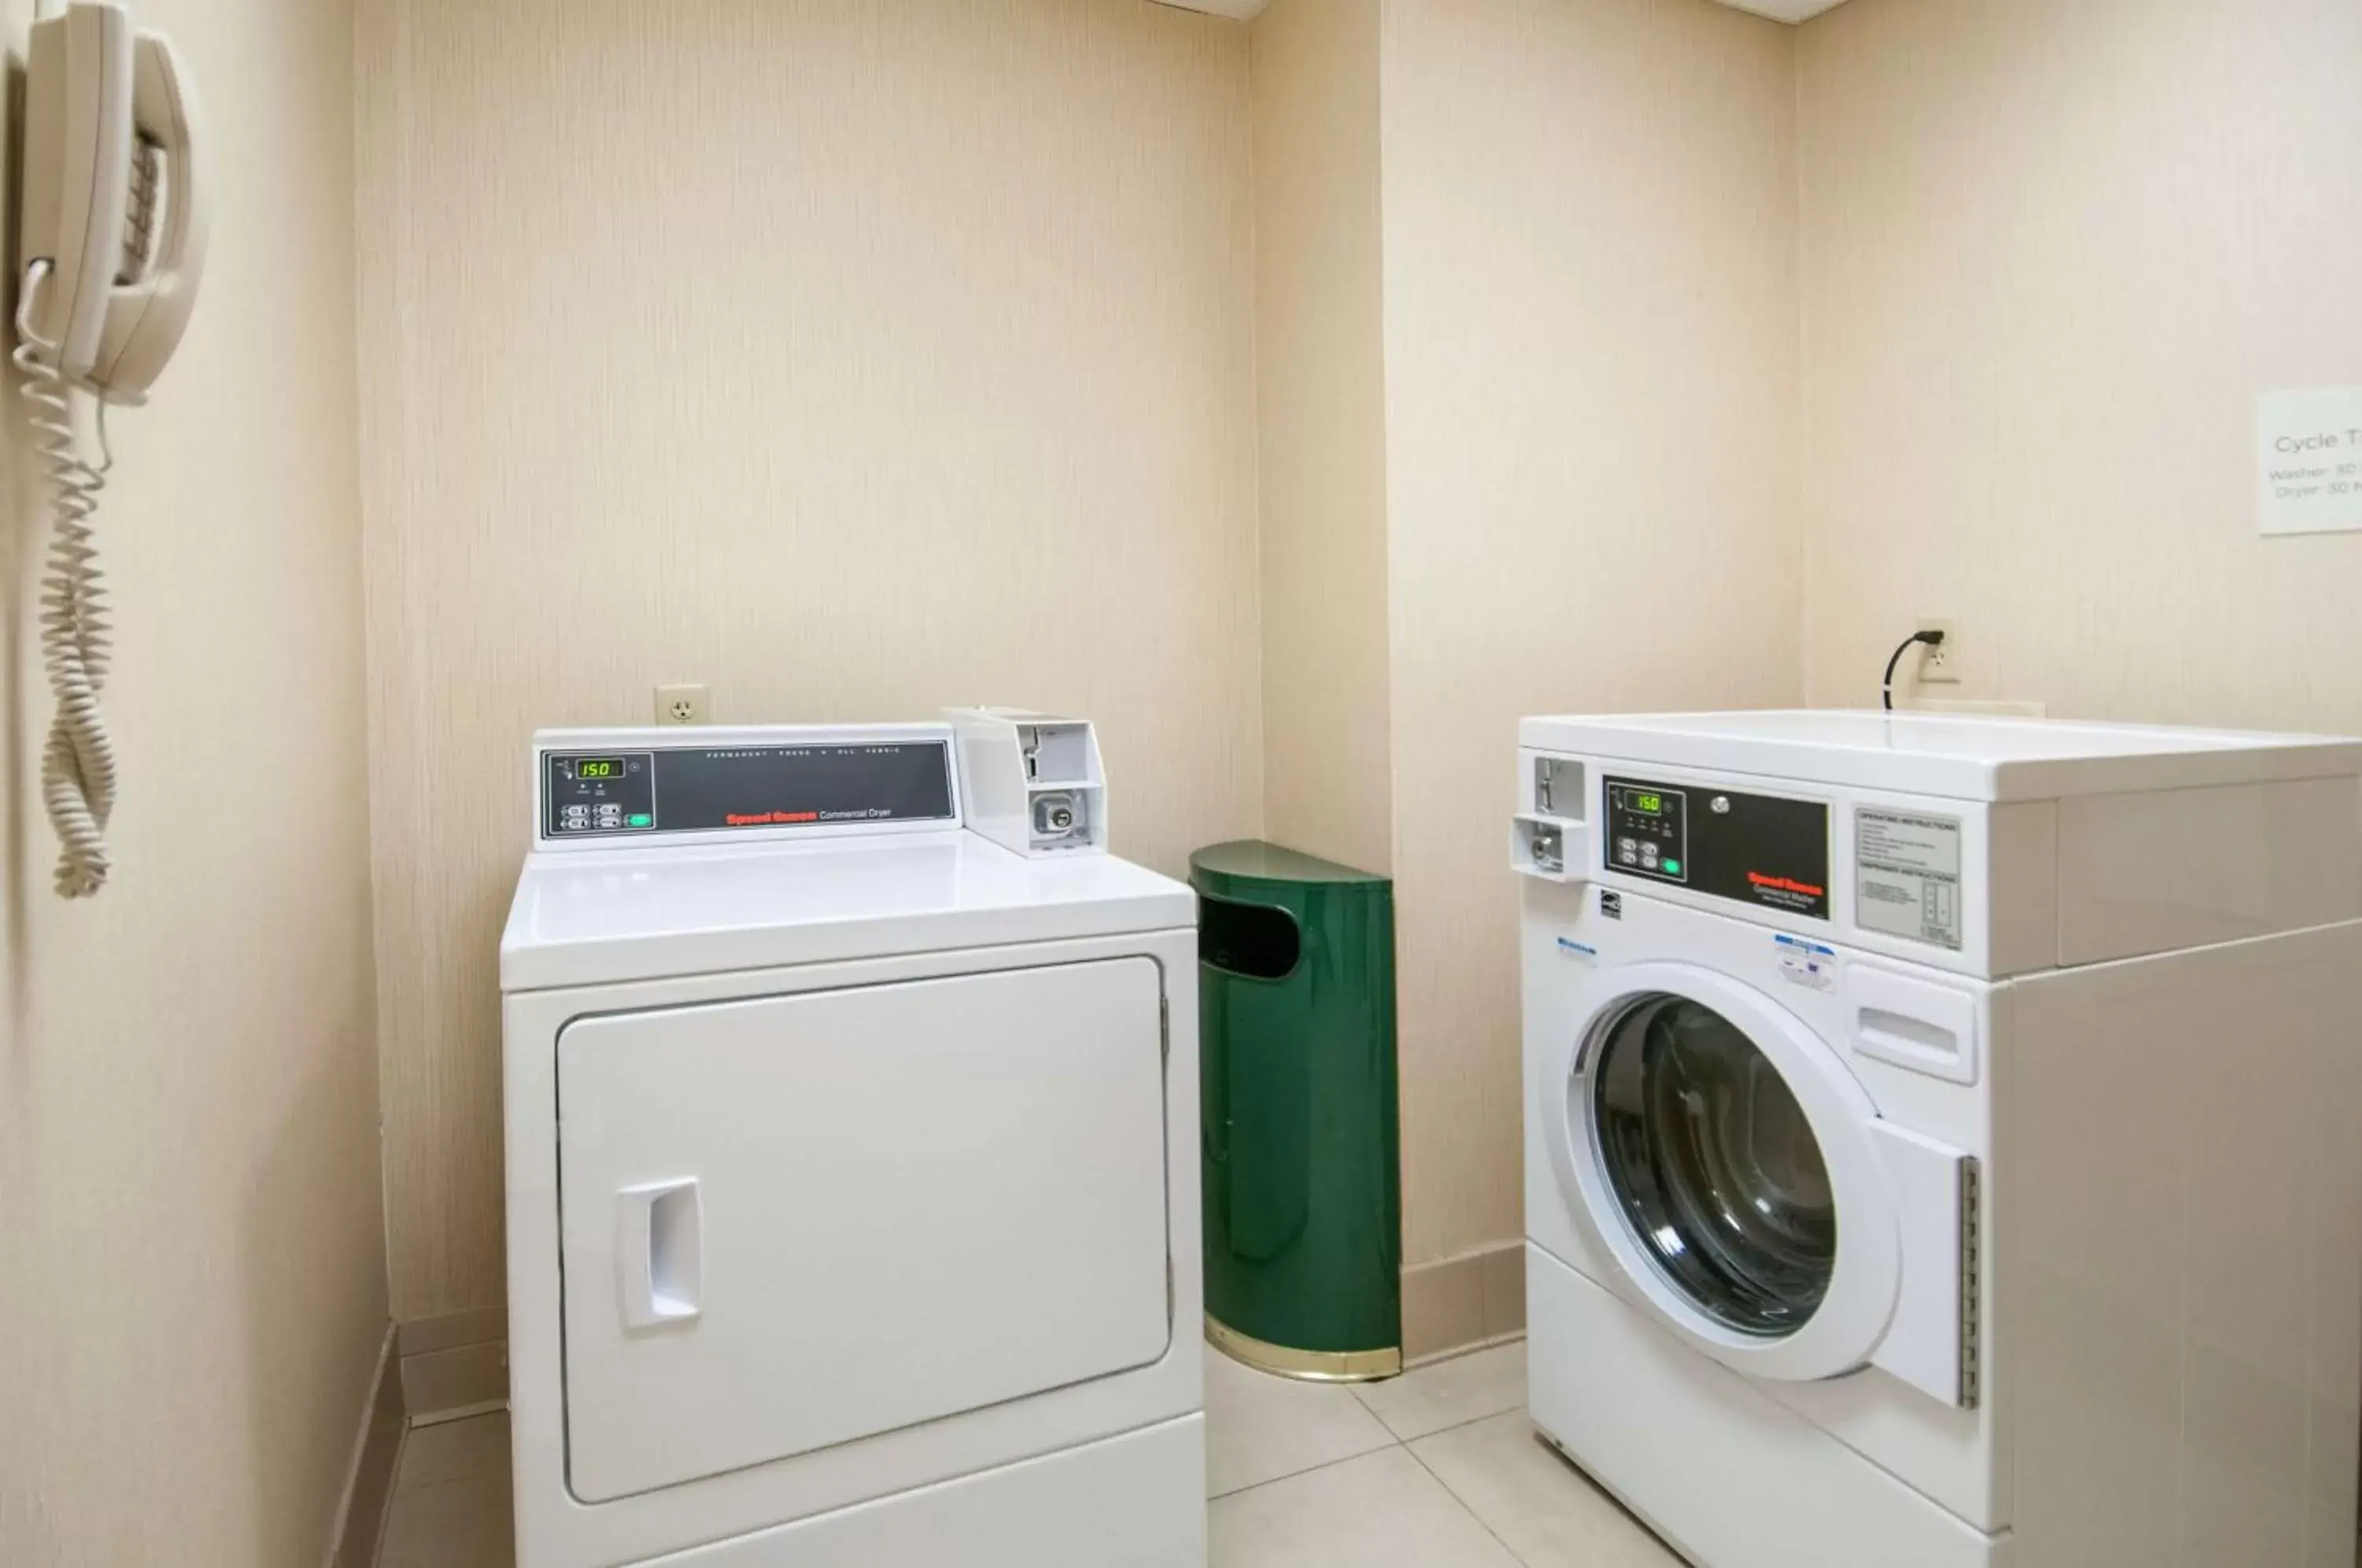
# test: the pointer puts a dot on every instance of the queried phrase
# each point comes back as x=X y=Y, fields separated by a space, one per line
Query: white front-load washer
x=1944 y=1136
x=851 y=1164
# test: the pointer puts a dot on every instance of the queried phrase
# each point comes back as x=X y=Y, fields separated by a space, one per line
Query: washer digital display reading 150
x=713 y=788
x=1647 y=832
x=1756 y=849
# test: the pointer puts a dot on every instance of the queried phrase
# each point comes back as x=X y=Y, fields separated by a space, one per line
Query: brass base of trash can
x=1309 y=1366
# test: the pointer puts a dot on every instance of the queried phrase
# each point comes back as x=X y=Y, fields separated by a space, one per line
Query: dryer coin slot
x=1059 y=818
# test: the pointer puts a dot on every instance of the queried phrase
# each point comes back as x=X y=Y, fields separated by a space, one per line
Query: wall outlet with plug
x=684 y=706
x=1939 y=665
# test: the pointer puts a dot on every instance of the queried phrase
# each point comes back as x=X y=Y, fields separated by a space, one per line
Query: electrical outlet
x=683 y=705
x=1941 y=666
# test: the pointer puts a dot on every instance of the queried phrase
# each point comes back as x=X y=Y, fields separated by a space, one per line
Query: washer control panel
x=591 y=792
x=1764 y=850
x=1648 y=830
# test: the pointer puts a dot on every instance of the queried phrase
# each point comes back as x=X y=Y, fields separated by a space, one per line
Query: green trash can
x=1300 y=1151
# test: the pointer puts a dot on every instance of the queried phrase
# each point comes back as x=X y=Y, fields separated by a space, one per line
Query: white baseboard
x=368 y=1477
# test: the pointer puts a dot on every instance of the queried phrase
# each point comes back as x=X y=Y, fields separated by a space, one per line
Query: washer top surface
x=601 y=917
x=1963 y=756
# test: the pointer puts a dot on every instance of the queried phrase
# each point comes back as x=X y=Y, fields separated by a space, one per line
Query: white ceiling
x=1785 y=10
x=1778 y=10
x=1241 y=9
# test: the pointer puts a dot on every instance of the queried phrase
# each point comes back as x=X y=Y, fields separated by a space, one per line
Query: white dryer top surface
x=599 y=917
x=1960 y=757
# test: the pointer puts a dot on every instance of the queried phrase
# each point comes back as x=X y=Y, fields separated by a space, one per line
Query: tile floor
x=1436 y=1469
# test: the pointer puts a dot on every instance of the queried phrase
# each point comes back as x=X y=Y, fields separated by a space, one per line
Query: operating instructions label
x=1907 y=876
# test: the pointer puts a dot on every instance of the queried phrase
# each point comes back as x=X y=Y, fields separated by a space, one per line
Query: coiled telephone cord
x=78 y=763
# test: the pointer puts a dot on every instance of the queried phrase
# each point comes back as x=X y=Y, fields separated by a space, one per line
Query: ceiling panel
x=1785 y=10
x=1778 y=10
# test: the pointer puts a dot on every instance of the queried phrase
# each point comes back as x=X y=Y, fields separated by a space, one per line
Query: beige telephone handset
x=112 y=245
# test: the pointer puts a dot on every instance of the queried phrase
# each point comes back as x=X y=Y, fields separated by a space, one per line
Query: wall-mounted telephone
x=112 y=243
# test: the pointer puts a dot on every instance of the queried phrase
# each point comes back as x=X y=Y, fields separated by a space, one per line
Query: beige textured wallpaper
x=1590 y=371
x=1320 y=385
x=1305 y=413
x=2052 y=252
x=192 y=1263
x=856 y=356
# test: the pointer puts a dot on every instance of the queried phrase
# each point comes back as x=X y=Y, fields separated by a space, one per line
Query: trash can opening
x=1254 y=940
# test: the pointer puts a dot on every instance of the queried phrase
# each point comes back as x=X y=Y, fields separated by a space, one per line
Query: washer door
x=1720 y=1153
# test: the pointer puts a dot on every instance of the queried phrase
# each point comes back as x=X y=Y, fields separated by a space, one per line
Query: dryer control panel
x=834 y=780
x=1756 y=849
x=612 y=792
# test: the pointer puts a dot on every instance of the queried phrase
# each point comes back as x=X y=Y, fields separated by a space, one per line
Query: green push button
x=641 y=819
x=1672 y=867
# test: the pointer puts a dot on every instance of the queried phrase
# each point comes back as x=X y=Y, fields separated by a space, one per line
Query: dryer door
x=796 y=1221
x=1721 y=1154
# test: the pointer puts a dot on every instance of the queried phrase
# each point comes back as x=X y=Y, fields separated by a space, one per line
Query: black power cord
x=1933 y=639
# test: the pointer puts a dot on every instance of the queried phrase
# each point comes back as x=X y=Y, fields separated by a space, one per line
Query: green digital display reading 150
x=1650 y=805
x=599 y=767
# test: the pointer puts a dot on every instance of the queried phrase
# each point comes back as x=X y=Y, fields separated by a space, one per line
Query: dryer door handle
x=660 y=1253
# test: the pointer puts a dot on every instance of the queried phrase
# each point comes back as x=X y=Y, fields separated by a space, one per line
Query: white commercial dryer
x=851 y=1159
x=1944 y=1136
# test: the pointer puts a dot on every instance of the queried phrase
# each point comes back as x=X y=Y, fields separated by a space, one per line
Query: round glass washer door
x=1714 y=1164
x=1717 y=1153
